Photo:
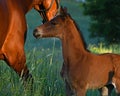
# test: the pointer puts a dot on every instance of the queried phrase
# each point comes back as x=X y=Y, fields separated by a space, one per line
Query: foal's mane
x=80 y=33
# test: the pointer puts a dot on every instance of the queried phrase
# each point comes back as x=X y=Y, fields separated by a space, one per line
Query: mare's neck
x=72 y=43
x=29 y=4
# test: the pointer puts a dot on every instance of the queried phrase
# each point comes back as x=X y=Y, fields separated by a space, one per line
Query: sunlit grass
x=99 y=49
x=102 y=48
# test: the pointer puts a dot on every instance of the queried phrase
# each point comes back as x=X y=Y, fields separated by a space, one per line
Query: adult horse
x=13 y=29
x=82 y=70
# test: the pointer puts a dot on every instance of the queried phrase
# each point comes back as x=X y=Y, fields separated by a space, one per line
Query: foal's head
x=54 y=28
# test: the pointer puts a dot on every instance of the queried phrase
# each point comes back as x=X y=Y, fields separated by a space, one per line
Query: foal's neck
x=72 y=42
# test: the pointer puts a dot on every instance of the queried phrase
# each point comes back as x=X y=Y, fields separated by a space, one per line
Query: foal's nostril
x=35 y=32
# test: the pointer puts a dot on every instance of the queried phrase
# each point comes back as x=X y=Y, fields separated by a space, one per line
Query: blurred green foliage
x=105 y=19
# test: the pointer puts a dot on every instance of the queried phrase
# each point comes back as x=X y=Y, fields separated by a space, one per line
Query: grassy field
x=44 y=58
x=45 y=66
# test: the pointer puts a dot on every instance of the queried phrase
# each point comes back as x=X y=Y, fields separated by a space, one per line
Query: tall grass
x=45 y=71
x=45 y=66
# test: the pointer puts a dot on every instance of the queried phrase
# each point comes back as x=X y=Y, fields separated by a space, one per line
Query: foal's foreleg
x=81 y=92
x=64 y=75
x=103 y=91
x=117 y=85
x=106 y=90
x=69 y=91
x=110 y=88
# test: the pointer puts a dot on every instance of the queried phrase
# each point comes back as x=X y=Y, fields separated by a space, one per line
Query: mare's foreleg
x=15 y=58
x=1 y=55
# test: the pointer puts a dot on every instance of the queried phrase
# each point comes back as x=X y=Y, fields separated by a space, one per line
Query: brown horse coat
x=13 y=29
x=81 y=69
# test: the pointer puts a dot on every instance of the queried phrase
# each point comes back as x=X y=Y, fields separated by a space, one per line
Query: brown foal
x=82 y=70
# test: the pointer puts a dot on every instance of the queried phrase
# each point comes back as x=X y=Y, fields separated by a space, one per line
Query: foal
x=81 y=69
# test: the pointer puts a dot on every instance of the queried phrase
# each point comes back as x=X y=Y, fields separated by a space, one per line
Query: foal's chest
x=66 y=77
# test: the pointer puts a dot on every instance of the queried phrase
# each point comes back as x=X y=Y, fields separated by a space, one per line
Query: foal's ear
x=63 y=11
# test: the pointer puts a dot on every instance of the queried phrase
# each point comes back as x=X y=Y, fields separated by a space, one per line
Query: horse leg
x=1 y=55
x=117 y=85
x=63 y=73
x=110 y=88
x=106 y=90
x=69 y=91
x=81 y=92
x=15 y=58
x=103 y=91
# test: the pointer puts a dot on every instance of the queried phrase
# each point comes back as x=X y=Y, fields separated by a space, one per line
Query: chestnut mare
x=13 y=29
x=82 y=70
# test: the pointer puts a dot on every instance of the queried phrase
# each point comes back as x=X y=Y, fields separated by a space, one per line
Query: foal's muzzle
x=37 y=33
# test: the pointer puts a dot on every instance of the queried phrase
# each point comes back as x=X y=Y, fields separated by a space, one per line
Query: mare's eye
x=54 y=23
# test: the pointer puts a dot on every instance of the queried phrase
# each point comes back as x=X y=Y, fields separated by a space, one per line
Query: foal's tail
x=1 y=55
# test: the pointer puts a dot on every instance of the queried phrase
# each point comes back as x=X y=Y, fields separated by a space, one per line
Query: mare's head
x=54 y=28
x=47 y=9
